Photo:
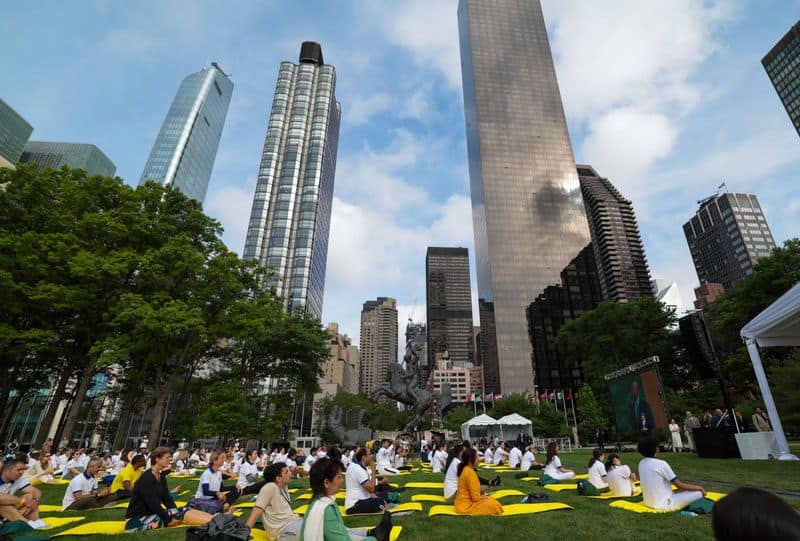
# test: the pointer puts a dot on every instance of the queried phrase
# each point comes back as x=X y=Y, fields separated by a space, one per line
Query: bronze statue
x=404 y=386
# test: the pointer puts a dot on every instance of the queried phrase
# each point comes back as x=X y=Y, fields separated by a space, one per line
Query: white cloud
x=131 y=43
x=230 y=204
x=359 y=110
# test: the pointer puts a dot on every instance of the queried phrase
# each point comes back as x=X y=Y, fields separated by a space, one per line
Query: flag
x=543 y=395
x=560 y=395
x=569 y=395
x=498 y=396
x=550 y=395
x=489 y=396
x=723 y=185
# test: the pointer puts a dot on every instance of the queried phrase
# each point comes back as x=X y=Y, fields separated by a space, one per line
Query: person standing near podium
x=760 y=421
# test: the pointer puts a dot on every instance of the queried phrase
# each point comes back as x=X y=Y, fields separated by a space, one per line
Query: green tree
x=591 y=416
x=456 y=417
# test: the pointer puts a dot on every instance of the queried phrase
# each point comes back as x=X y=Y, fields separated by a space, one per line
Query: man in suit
x=637 y=407
x=760 y=421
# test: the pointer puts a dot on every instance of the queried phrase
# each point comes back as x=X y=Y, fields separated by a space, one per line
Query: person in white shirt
x=500 y=454
x=528 y=463
x=553 y=467
x=212 y=496
x=620 y=478
x=13 y=507
x=451 y=472
x=597 y=470
x=85 y=457
x=384 y=459
x=361 y=487
x=73 y=467
x=249 y=477
x=488 y=456
x=61 y=461
x=439 y=459
x=82 y=491
x=514 y=457
x=657 y=478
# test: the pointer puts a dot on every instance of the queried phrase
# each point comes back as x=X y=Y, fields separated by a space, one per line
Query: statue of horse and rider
x=405 y=387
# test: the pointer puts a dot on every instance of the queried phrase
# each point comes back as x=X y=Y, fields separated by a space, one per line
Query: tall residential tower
x=186 y=147
x=291 y=214
x=449 y=305
x=378 y=342
x=782 y=64
x=618 y=250
x=527 y=210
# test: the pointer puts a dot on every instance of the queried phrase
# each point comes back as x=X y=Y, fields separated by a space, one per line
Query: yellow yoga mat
x=57 y=522
x=609 y=496
x=640 y=507
x=428 y=498
x=105 y=527
x=506 y=493
x=339 y=496
x=49 y=508
x=411 y=506
x=558 y=487
x=508 y=510
x=424 y=484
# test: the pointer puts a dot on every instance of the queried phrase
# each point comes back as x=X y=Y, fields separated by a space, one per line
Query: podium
x=716 y=442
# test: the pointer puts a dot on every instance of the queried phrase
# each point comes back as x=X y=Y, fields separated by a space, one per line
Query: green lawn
x=591 y=519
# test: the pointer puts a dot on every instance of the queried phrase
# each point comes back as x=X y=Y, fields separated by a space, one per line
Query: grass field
x=591 y=519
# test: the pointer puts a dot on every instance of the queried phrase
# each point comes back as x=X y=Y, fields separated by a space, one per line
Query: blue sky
x=667 y=99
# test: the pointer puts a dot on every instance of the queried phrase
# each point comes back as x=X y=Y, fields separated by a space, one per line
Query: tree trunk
x=8 y=416
x=158 y=416
x=125 y=418
x=84 y=382
x=52 y=408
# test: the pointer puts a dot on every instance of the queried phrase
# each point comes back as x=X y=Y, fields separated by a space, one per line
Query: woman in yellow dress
x=469 y=500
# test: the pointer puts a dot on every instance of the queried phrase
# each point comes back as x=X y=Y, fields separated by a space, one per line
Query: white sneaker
x=38 y=524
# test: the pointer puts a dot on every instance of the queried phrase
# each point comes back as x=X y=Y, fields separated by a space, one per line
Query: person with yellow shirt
x=122 y=486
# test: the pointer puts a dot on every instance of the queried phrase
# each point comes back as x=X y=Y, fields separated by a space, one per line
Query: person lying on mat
x=122 y=485
x=12 y=482
x=598 y=476
x=82 y=490
x=620 y=477
x=553 y=467
x=151 y=504
x=363 y=492
x=657 y=479
x=469 y=500
x=212 y=496
x=322 y=520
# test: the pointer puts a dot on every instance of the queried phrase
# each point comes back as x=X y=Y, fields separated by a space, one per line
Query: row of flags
x=549 y=395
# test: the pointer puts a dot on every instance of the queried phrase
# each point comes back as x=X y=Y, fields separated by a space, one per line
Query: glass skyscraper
x=77 y=155
x=14 y=133
x=186 y=147
x=449 y=305
x=291 y=213
x=528 y=216
x=783 y=68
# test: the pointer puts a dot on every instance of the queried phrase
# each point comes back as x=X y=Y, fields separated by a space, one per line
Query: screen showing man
x=638 y=404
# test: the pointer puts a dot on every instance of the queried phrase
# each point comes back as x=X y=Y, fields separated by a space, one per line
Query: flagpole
x=564 y=400
x=572 y=403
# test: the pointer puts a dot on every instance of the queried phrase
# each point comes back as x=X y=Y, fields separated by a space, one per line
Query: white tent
x=514 y=424
x=777 y=325
x=481 y=421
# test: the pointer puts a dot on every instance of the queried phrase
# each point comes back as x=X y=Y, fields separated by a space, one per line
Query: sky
x=667 y=99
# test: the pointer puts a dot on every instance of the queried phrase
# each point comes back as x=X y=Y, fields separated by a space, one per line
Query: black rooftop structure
x=311 y=53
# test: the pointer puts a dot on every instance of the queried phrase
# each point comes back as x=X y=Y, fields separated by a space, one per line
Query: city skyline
x=688 y=117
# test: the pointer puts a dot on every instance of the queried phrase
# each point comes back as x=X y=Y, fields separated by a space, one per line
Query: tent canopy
x=515 y=419
x=779 y=323
x=481 y=421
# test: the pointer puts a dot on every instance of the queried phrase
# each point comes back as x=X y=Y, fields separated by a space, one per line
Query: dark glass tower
x=449 y=305
x=726 y=237
x=291 y=214
x=621 y=263
x=783 y=68
x=527 y=210
x=77 y=155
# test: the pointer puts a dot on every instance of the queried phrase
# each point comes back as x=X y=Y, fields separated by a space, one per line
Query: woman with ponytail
x=469 y=500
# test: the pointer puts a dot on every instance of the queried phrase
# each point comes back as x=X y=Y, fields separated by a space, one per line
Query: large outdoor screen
x=638 y=402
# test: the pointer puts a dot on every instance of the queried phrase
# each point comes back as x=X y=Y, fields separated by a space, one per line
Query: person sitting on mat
x=528 y=463
x=598 y=476
x=384 y=458
x=39 y=470
x=451 y=471
x=362 y=494
x=620 y=477
x=13 y=507
x=82 y=490
x=750 y=513
x=249 y=481
x=74 y=466
x=122 y=485
x=657 y=479
x=151 y=504
x=322 y=520
x=515 y=456
x=212 y=496
x=439 y=458
x=553 y=467
x=469 y=500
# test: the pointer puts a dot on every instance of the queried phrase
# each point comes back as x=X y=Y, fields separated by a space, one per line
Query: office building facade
x=782 y=64
x=527 y=210
x=726 y=236
x=291 y=213
x=184 y=151
x=76 y=155
x=449 y=305
x=14 y=133
x=378 y=342
x=578 y=292
x=618 y=251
